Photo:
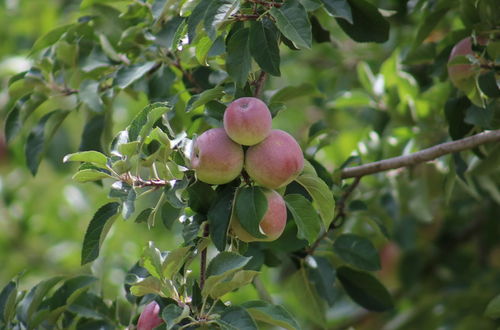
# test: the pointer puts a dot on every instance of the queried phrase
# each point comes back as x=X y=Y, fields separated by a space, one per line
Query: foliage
x=122 y=88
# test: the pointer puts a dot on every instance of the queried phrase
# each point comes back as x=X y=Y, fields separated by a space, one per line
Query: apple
x=247 y=121
x=276 y=161
x=215 y=158
x=272 y=224
x=149 y=319
x=461 y=74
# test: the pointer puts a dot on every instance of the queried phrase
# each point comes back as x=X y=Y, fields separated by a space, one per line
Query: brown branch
x=259 y=83
x=422 y=156
x=245 y=17
x=203 y=259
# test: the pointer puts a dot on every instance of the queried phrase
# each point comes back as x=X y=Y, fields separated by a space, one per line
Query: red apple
x=216 y=158
x=461 y=74
x=276 y=161
x=247 y=121
x=149 y=318
x=272 y=224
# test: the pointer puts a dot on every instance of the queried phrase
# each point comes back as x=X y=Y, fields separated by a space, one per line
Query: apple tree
x=313 y=164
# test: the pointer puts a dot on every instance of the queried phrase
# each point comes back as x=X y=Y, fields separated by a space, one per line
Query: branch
x=259 y=83
x=422 y=156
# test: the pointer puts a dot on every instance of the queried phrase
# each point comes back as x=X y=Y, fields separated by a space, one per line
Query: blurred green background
x=437 y=233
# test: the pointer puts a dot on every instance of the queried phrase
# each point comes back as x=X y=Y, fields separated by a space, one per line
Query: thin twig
x=203 y=259
x=259 y=83
x=422 y=156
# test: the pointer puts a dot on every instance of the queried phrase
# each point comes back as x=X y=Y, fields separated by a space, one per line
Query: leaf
x=236 y=281
x=368 y=25
x=196 y=17
x=250 y=206
x=13 y=123
x=308 y=222
x=50 y=38
x=166 y=36
x=92 y=132
x=172 y=314
x=290 y=92
x=322 y=274
x=174 y=261
x=144 y=120
x=217 y=12
x=40 y=136
x=225 y=262
x=128 y=74
x=365 y=289
x=202 y=47
x=338 y=8
x=271 y=314
x=128 y=206
x=292 y=21
x=263 y=45
x=97 y=231
x=88 y=175
x=8 y=302
x=152 y=260
x=30 y=304
x=91 y=156
x=236 y=318
x=71 y=289
x=357 y=251
x=321 y=194
x=219 y=216
x=429 y=22
x=206 y=96
x=351 y=99
x=488 y=84
x=493 y=308
x=238 y=60
x=89 y=94
x=455 y=111
x=146 y=286
x=169 y=214
x=481 y=117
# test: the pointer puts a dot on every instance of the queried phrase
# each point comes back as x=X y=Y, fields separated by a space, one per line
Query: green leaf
x=271 y=314
x=351 y=99
x=144 y=215
x=146 y=286
x=172 y=314
x=169 y=214
x=196 y=17
x=40 y=136
x=493 y=308
x=226 y=262
x=357 y=251
x=92 y=132
x=365 y=289
x=166 y=37
x=338 y=8
x=488 y=84
x=30 y=304
x=71 y=289
x=13 y=123
x=144 y=120
x=8 y=302
x=88 y=175
x=429 y=22
x=89 y=94
x=128 y=206
x=97 y=231
x=231 y=283
x=308 y=222
x=264 y=46
x=202 y=47
x=250 y=206
x=128 y=74
x=321 y=194
x=219 y=216
x=203 y=98
x=174 y=261
x=290 y=92
x=217 y=12
x=236 y=318
x=292 y=21
x=50 y=38
x=481 y=117
x=368 y=25
x=91 y=156
x=152 y=260
x=322 y=274
x=238 y=61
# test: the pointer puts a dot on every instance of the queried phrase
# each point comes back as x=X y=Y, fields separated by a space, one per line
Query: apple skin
x=461 y=74
x=149 y=319
x=276 y=161
x=216 y=158
x=247 y=121
x=272 y=224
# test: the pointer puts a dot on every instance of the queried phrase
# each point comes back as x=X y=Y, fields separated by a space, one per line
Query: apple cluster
x=272 y=159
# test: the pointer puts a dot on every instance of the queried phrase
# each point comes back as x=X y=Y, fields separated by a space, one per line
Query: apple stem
x=259 y=83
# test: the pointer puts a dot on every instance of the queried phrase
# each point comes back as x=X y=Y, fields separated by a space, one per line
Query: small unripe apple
x=461 y=74
x=247 y=121
x=276 y=161
x=149 y=318
x=272 y=224
x=216 y=158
